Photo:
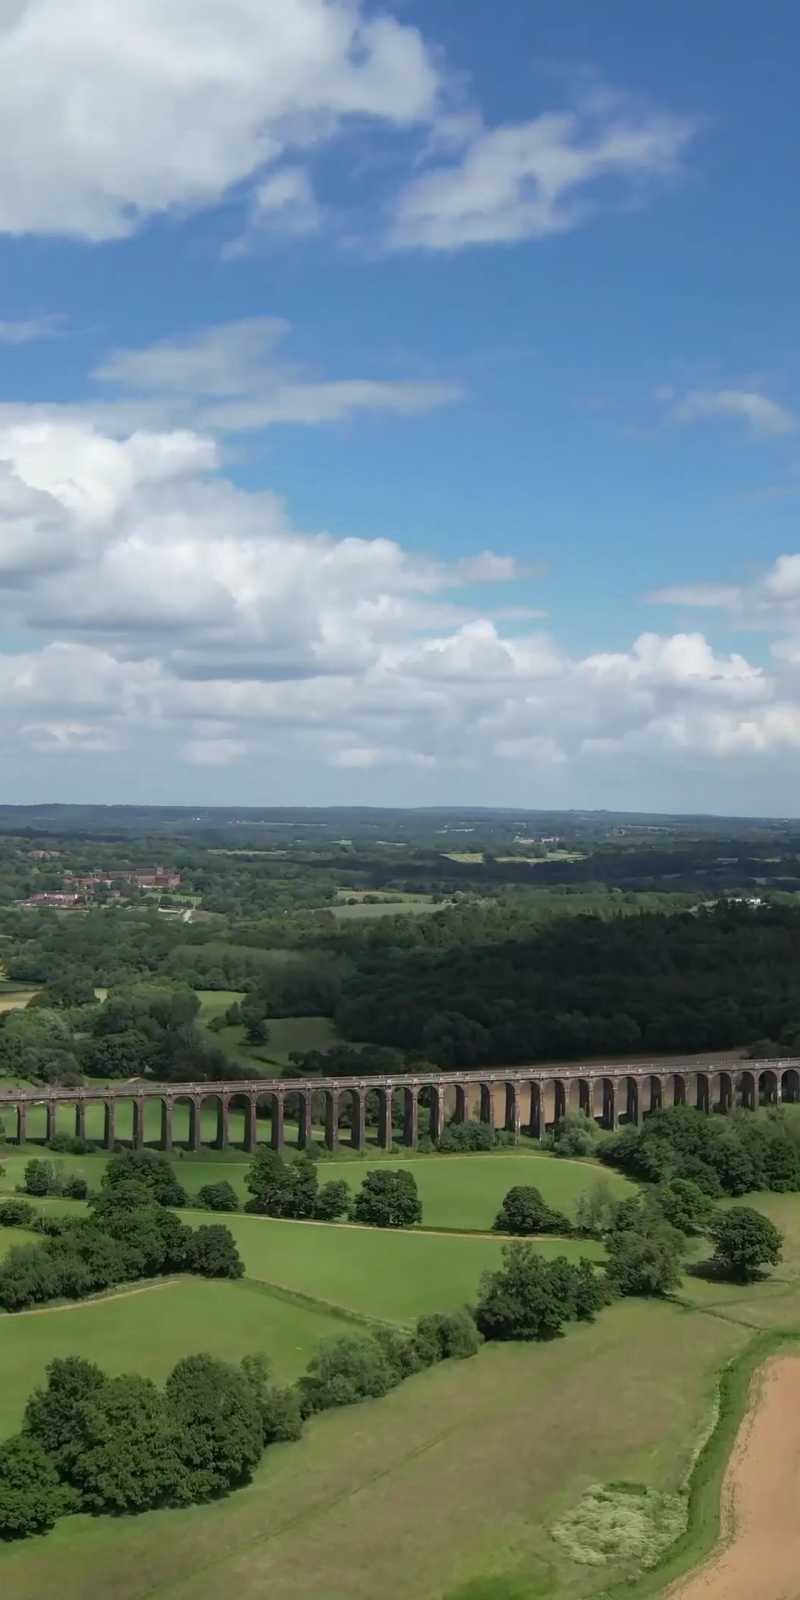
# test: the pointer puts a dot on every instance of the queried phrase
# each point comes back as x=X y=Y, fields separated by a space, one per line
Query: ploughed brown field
x=760 y=1559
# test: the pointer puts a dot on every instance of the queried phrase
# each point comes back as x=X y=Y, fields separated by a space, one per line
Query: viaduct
x=526 y=1099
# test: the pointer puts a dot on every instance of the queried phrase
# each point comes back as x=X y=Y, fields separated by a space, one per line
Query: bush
x=745 y=1243
x=53 y=1227
x=75 y=1188
x=333 y=1200
x=388 y=1199
x=440 y=1336
x=218 y=1196
x=400 y=1353
x=575 y=1135
x=524 y=1211
x=52 y=1414
x=342 y=1372
x=213 y=1253
x=16 y=1214
x=465 y=1136
x=684 y=1206
x=129 y=1449
x=27 y=1276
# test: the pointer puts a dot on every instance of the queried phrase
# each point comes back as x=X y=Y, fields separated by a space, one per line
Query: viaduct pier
x=520 y=1099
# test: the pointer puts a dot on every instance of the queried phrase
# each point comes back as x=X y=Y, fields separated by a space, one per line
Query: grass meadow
x=450 y=1487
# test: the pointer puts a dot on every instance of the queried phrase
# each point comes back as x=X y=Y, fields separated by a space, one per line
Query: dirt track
x=760 y=1500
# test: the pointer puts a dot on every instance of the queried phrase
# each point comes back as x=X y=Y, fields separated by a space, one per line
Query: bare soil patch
x=760 y=1558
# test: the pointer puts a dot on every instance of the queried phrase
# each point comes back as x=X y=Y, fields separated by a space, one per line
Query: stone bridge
x=528 y=1099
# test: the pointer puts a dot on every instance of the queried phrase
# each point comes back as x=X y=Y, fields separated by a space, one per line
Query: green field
x=456 y=1191
x=449 y=1488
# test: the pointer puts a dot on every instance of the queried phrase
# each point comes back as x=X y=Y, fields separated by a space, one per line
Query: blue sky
x=400 y=405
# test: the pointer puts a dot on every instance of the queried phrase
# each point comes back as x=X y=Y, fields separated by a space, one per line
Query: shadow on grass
x=711 y=1272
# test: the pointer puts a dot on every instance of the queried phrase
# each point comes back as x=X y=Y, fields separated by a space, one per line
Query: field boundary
x=92 y=1300
x=310 y=1302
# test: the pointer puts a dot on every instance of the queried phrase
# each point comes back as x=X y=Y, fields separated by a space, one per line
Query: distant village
x=117 y=883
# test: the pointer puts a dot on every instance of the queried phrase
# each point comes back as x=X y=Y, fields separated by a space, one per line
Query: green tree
x=220 y=1424
x=41 y=1177
x=279 y=1188
x=333 y=1200
x=745 y=1243
x=645 y=1263
x=594 y=1209
x=683 y=1205
x=524 y=1299
x=31 y=1496
x=147 y=1167
x=53 y=1412
x=129 y=1457
x=27 y=1276
x=218 y=1196
x=388 y=1199
x=213 y=1253
x=524 y=1211
x=16 y=1214
x=441 y=1335
x=343 y=1371
x=281 y=1416
x=575 y=1135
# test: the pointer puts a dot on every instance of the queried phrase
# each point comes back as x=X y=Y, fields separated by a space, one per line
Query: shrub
x=440 y=1335
x=684 y=1206
x=49 y=1225
x=16 y=1214
x=52 y=1414
x=333 y=1200
x=400 y=1352
x=388 y=1199
x=465 y=1136
x=524 y=1211
x=343 y=1371
x=75 y=1188
x=129 y=1456
x=745 y=1242
x=575 y=1135
x=218 y=1196
x=27 y=1276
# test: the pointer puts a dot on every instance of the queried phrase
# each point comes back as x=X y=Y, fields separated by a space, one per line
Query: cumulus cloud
x=166 y=609
x=531 y=179
x=113 y=112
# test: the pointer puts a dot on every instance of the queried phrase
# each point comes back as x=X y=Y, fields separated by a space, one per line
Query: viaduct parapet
x=521 y=1099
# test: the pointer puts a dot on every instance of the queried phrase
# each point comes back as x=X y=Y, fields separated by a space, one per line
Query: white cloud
x=213 y=752
x=113 y=111
x=762 y=415
x=769 y=601
x=233 y=377
x=285 y=205
x=531 y=179
x=29 y=330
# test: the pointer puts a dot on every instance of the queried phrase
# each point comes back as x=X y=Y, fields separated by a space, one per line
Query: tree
x=343 y=1371
x=524 y=1211
x=31 y=1495
x=280 y=1188
x=16 y=1214
x=333 y=1200
x=52 y=1414
x=575 y=1135
x=745 y=1242
x=220 y=1424
x=75 y=1188
x=646 y=1263
x=41 y=1177
x=149 y=1168
x=683 y=1205
x=213 y=1253
x=218 y=1196
x=129 y=1457
x=27 y=1276
x=525 y=1299
x=388 y=1199
x=594 y=1209
x=440 y=1336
